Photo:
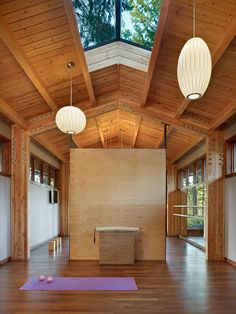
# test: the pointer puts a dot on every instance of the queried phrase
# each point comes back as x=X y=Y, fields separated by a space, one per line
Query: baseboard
x=229 y=261
x=43 y=242
x=4 y=261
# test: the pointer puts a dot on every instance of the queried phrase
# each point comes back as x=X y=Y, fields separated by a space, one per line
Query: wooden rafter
x=50 y=147
x=158 y=115
x=24 y=62
x=79 y=48
x=217 y=53
x=11 y=114
x=135 y=131
x=155 y=50
x=76 y=141
x=101 y=134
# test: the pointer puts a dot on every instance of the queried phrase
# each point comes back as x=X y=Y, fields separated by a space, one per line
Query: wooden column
x=63 y=186
x=171 y=200
x=215 y=191
x=20 y=157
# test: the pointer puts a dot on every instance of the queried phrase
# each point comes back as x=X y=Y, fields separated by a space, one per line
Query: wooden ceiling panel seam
x=79 y=48
x=156 y=47
x=25 y=64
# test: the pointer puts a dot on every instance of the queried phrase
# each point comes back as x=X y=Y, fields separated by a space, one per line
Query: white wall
x=43 y=216
x=4 y=217
x=230 y=218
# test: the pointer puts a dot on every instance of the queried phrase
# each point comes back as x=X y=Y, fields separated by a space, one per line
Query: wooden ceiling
x=125 y=107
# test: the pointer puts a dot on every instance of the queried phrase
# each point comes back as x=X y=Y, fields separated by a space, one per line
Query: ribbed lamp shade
x=194 y=68
x=70 y=119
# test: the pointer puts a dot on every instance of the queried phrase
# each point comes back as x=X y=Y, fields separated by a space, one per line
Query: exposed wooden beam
x=45 y=122
x=136 y=129
x=76 y=141
x=101 y=134
x=50 y=147
x=196 y=141
x=24 y=62
x=216 y=55
x=158 y=115
x=79 y=48
x=225 y=114
x=11 y=114
x=155 y=50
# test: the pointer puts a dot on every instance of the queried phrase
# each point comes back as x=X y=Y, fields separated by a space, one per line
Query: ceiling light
x=194 y=66
x=70 y=119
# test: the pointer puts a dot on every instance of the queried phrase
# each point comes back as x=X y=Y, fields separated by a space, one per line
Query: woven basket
x=116 y=247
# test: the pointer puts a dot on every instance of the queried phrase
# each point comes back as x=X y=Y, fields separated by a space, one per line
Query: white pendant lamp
x=70 y=119
x=194 y=66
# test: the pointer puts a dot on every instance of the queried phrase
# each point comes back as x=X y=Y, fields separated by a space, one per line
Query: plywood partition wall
x=117 y=188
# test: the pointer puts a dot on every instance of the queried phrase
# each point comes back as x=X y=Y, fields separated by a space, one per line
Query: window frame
x=118 y=12
x=230 y=157
x=6 y=155
x=43 y=164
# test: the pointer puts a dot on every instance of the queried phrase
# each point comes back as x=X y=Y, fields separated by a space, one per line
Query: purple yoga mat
x=82 y=283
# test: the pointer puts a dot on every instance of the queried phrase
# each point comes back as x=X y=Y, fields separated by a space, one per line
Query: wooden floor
x=185 y=284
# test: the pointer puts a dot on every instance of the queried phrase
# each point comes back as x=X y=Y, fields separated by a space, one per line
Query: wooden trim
x=136 y=129
x=24 y=62
x=79 y=48
x=230 y=175
x=5 y=174
x=229 y=261
x=156 y=48
x=6 y=260
x=11 y=114
x=217 y=53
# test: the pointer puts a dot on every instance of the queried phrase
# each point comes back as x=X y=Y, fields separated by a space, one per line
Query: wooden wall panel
x=215 y=196
x=117 y=188
x=20 y=151
x=63 y=190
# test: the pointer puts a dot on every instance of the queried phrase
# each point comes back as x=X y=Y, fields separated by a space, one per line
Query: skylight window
x=104 y=21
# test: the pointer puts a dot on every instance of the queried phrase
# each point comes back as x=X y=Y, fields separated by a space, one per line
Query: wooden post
x=171 y=199
x=20 y=158
x=63 y=187
x=215 y=193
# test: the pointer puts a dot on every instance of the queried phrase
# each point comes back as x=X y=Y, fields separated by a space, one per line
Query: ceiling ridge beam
x=16 y=50
x=79 y=48
x=216 y=55
x=12 y=114
x=156 y=48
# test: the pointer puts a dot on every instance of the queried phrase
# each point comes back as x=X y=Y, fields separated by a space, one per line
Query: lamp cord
x=71 y=89
x=194 y=18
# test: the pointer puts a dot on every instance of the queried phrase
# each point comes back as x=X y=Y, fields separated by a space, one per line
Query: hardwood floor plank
x=186 y=283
